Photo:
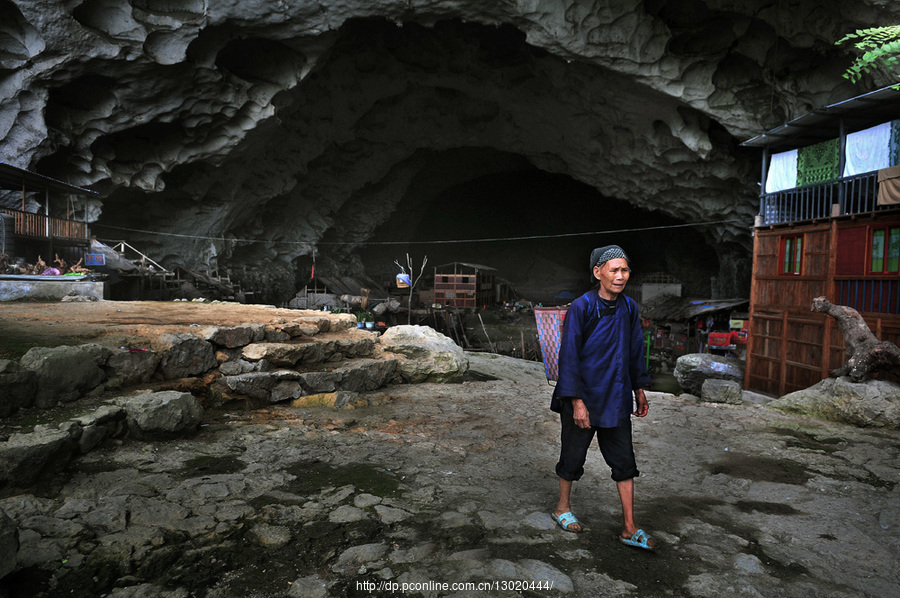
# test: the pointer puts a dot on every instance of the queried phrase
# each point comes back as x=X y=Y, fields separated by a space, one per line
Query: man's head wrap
x=601 y=255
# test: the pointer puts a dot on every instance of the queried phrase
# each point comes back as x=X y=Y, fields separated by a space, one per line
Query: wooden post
x=841 y=161
x=782 y=354
x=831 y=292
x=483 y=327
x=754 y=290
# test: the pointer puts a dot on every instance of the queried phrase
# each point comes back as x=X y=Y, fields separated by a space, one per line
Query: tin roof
x=672 y=308
x=13 y=178
x=467 y=265
x=822 y=124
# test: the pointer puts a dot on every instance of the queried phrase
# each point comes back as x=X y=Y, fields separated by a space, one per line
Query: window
x=885 y=254
x=791 y=254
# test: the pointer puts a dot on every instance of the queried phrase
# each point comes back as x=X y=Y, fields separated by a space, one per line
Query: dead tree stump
x=866 y=355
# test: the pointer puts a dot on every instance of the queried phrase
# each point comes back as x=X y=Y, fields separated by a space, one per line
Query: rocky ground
x=435 y=484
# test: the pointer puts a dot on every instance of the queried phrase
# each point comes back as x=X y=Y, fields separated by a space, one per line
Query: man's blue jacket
x=605 y=369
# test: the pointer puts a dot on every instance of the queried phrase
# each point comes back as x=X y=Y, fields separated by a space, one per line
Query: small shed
x=683 y=325
x=655 y=284
x=334 y=291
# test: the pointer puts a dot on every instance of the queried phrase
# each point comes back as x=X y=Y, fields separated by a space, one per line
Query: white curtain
x=868 y=150
x=782 y=172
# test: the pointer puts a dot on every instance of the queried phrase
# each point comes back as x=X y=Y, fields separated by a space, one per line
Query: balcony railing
x=42 y=227
x=854 y=195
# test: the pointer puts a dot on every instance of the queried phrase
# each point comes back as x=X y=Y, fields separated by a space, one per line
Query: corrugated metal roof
x=675 y=309
x=822 y=124
x=467 y=265
x=14 y=178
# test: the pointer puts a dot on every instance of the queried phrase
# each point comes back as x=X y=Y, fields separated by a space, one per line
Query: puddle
x=806 y=440
x=313 y=476
x=212 y=465
x=761 y=469
x=767 y=508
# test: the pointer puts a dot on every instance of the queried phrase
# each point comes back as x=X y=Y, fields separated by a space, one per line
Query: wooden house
x=459 y=284
x=828 y=225
x=28 y=234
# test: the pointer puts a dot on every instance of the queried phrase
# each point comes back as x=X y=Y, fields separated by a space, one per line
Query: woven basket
x=549 y=325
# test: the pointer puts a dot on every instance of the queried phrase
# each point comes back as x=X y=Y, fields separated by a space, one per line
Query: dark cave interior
x=537 y=229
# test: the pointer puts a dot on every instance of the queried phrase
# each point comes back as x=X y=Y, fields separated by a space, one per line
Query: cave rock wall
x=255 y=132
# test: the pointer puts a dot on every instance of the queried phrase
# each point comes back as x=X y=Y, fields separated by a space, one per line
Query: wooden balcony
x=853 y=195
x=38 y=226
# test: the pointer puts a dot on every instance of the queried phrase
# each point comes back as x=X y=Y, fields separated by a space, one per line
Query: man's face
x=612 y=276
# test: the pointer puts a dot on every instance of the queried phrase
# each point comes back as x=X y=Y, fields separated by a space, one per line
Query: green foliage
x=879 y=48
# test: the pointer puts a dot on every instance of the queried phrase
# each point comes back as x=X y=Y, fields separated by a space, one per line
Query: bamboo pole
x=483 y=327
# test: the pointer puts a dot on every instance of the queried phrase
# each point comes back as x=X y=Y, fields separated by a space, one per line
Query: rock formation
x=252 y=135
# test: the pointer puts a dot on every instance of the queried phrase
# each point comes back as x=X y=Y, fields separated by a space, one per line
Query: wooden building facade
x=835 y=237
x=464 y=285
x=29 y=234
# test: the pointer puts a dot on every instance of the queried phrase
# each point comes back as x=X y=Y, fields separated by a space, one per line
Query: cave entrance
x=536 y=228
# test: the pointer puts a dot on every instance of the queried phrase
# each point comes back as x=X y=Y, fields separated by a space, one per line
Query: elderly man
x=601 y=378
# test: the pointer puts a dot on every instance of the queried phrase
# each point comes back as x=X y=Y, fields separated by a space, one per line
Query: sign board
x=94 y=259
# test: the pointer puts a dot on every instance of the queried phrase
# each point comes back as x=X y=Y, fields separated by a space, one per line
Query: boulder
x=236 y=336
x=9 y=544
x=427 y=355
x=869 y=404
x=260 y=385
x=65 y=373
x=692 y=369
x=131 y=366
x=184 y=355
x=24 y=457
x=107 y=421
x=161 y=413
x=279 y=354
x=721 y=391
x=17 y=387
x=360 y=376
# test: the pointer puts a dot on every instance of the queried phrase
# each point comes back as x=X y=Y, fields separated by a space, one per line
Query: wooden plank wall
x=790 y=347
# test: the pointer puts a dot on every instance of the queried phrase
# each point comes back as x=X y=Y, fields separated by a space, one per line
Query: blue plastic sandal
x=565 y=520
x=639 y=539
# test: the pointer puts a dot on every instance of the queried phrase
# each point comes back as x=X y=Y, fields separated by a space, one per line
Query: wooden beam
x=782 y=354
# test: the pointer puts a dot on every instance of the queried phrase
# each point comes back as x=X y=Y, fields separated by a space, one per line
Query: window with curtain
x=792 y=254
x=885 y=251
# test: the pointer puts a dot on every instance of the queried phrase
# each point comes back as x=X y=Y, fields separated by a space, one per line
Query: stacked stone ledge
x=260 y=364
x=48 y=376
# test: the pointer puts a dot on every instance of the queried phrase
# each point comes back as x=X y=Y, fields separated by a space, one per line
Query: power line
x=435 y=242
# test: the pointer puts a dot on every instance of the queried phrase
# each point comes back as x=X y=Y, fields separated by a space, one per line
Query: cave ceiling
x=259 y=135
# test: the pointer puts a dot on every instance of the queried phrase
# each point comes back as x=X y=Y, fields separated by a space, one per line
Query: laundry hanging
x=868 y=150
x=782 y=172
x=818 y=163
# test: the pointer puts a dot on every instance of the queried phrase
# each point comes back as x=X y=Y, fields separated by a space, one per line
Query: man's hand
x=581 y=415
x=642 y=405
